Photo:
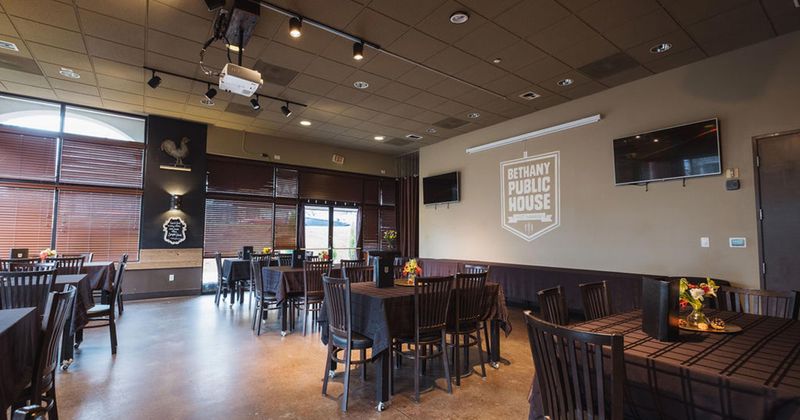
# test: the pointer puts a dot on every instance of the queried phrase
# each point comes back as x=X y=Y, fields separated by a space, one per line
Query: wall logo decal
x=530 y=200
x=179 y=152
x=174 y=231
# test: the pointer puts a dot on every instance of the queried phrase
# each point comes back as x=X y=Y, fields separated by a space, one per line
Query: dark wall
x=160 y=184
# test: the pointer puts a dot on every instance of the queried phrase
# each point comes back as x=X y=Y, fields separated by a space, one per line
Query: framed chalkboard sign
x=174 y=231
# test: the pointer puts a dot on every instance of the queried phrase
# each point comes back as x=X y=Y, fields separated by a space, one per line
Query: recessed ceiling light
x=9 y=46
x=459 y=17
x=379 y=138
x=72 y=74
x=638 y=137
x=660 y=48
x=655 y=140
x=360 y=84
x=497 y=60
x=565 y=82
x=305 y=123
x=473 y=115
x=431 y=130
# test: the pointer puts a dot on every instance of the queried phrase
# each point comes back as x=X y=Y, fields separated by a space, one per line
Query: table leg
x=494 y=354
x=284 y=315
x=382 y=378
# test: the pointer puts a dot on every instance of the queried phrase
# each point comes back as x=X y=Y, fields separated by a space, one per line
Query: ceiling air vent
x=529 y=95
x=413 y=137
x=275 y=74
x=609 y=66
x=240 y=109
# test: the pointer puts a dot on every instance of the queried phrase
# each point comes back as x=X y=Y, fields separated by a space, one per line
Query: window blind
x=232 y=224
x=106 y=163
x=26 y=219
x=286 y=181
x=238 y=177
x=285 y=226
x=105 y=223
x=388 y=220
x=27 y=157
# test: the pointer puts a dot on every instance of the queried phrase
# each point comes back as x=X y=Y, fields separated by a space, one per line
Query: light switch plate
x=737 y=242
x=705 y=242
x=171 y=277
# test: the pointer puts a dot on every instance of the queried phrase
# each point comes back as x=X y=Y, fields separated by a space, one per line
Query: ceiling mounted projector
x=239 y=80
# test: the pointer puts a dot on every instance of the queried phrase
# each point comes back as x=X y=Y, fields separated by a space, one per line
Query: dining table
x=286 y=283
x=382 y=313
x=100 y=275
x=19 y=339
x=78 y=317
x=751 y=374
x=236 y=270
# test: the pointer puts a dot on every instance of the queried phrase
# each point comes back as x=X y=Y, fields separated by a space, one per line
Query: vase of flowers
x=324 y=256
x=390 y=236
x=411 y=270
x=694 y=295
x=266 y=250
x=47 y=253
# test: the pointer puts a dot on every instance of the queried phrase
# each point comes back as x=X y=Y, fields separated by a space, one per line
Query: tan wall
x=752 y=91
x=227 y=142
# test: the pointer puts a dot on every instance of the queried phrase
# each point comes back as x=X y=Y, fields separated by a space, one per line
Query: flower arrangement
x=412 y=270
x=324 y=256
x=266 y=250
x=694 y=295
x=45 y=253
x=390 y=236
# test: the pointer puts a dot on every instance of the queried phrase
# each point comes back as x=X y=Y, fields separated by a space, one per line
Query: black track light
x=295 y=25
x=286 y=111
x=154 y=81
x=254 y=103
x=210 y=93
x=358 y=51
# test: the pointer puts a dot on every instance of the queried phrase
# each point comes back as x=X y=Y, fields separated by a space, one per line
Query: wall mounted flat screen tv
x=684 y=151
x=442 y=188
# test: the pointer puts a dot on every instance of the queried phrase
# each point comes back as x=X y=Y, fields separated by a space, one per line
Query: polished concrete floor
x=185 y=358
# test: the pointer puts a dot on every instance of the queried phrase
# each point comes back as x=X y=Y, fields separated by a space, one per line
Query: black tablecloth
x=287 y=281
x=384 y=313
x=83 y=298
x=18 y=341
x=747 y=375
x=236 y=270
x=100 y=275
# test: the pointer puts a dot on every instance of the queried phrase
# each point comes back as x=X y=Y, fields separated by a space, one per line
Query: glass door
x=332 y=229
x=345 y=234
x=317 y=222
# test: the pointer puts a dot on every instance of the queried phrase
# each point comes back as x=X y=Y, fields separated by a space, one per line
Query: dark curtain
x=408 y=216
x=301 y=226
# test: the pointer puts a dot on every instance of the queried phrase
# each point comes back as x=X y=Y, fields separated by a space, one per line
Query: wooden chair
x=341 y=337
x=759 y=302
x=553 y=306
x=431 y=304
x=358 y=274
x=596 y=302
x=284 y=260
x=351 y=263
x=251 y=283
x=312 y=289
x=482 y=268
x=399 y=263
x=466 y=320
x=222 y=282
x=21 y=264
x=67 y=265
x=87 y=256
x=22 y=289
x=571 y=371
x=265 y=301
x=105 y=313
x=43 y=383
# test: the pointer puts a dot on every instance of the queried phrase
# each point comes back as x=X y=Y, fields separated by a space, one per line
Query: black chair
x=67 y=265
x=596 y=302
x=22 y=264
x=341 y=337
x=222 y=283
x=482 y=268
x=43 y=383
x=571 y=371
x=251 y=284
x=466 y=320
x=284 y=260
x=399 y=263
x=358 y=274
x=553 y=306
x=18 y=253
x=31 y=412
x=431 y=303
x=351 y=263
x=87 y=256
x=22 y=289
x=759 y=302
x=311 y=300
x=104 y=313
x=265 y=301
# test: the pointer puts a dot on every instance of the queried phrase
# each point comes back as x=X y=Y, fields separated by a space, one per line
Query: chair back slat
x=596 y=302
x=55 y=315
x=553 y=306
x=759 y=302
x=476 y=268
x=352 y=263
x=256 y=272
x=581 y=374
x=337 y=302
x=312 y=275
x=218 y=260
x=21 y=264
x=359 y=273
x=21 y=289
x=67 y=265
x=431 y=302
x=469 y=296
x=284 y=260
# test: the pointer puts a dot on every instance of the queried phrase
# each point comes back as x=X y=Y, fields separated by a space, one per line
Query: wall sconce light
x=175 y=202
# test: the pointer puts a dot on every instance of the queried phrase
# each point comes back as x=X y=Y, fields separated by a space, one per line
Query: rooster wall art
x=169 y=147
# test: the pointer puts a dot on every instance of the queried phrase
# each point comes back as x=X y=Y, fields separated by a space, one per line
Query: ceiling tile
x=510 y=85
x=122 y=107
x=676 y=60
x=113 y=51
x=378 y=103
x=196 y=8
x=163 y=62
x=341 y=51
x=416 y=46
x=578 y=79
x=376 y=28
x=49 y=35
x=626 y=76
x=452 y=61
x=732 y=29
x=487 y=40
x=120 y=70
x=450 y=88
x=543 y=69
x=563 y=34
x=313 y=40
x=46 y=11
x=22 y=53
x=585 y=89
x=375 y=82
x=130 y=10
x=176 y=47
x=589 y=50
x=123 y=85
x=607 y=14
x=61 y=57
x=452 y=108
x=387 y=66
x=531 y=16
x=652 y=25
x=421 y=78
x=112 y=29
x=475 y=98
x=405 y=110
x=687 y=12
x=52 y=71
x=177 y=22
x=409 y=12
x=426 y=100
x=481 y=73
x=518 y=55
x=437 y=24
x=166 y=94
x=331 y=106
x=6 y=28
x=680 y=42
x=329 y=70
x=282 y=55
x=348 y=95
x=28 y=90
x=74 y=87
x=118 y=96
x=785 y=16
x=77 y=98
x=489 y=9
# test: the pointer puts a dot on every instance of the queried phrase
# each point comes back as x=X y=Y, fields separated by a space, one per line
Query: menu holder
x=383 y=263
x=298 y=257
x=660 y=308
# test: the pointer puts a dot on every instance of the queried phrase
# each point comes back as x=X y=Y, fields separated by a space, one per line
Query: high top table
x=19 y=338
x=286 y=283
x=748 y=375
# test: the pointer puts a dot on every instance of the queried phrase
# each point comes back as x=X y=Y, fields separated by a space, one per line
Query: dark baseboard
x=161 y=294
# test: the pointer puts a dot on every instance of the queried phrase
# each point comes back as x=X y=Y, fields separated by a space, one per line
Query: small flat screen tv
x=442 y=188
x=683 y=151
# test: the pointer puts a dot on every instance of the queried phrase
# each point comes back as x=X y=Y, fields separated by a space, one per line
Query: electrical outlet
x=705 y=242
x=171 y=277
x=277 y=157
